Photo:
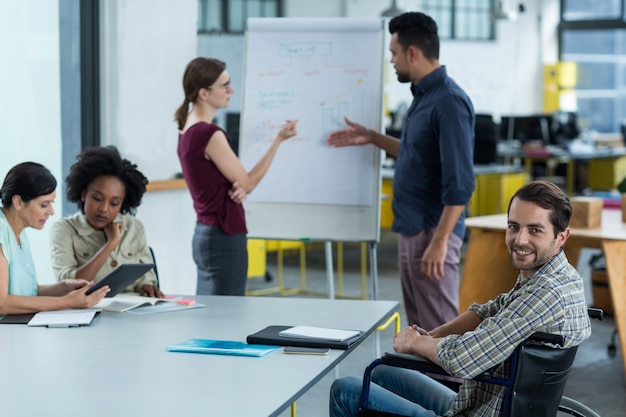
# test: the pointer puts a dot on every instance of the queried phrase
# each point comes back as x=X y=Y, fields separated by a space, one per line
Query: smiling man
x=547 y=297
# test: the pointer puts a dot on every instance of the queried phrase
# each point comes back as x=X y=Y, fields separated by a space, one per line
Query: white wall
x=145 y=47
x=30 y=106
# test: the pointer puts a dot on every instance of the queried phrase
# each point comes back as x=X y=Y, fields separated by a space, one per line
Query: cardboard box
x=601 y=291
x=609 y=140
x=586 y=212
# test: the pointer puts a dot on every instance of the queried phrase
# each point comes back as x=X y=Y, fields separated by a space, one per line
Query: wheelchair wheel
x=570 y=407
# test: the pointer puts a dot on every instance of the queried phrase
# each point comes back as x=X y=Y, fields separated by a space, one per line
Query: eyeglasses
x=226 y=86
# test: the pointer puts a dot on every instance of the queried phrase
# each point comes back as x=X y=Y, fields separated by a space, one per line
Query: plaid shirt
x=551 y=300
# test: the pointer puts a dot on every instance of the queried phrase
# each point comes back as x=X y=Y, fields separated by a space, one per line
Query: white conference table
x=118 y=366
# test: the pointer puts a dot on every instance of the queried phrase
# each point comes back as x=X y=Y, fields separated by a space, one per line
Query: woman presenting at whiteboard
x=217 y=180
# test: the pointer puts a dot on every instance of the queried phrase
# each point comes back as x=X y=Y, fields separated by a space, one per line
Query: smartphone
x=306 y=350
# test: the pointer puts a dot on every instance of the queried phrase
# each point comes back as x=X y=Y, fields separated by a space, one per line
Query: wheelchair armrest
x=556 y=339
x=406 y=360
x=420 y=363
x=596 y=313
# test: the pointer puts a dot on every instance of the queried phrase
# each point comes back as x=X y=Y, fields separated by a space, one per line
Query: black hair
x=28 y=180
x=417 y=29
x=105 y=161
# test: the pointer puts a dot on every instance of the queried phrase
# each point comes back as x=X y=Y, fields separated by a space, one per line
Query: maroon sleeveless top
x=208 y=187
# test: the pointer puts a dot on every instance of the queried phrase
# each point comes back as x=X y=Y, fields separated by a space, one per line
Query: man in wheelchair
x=547 y=297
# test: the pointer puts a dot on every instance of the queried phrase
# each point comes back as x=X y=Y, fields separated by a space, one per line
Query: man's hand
x=433 y=260
x=355 y=134
x=416 y=341
x=407 y=340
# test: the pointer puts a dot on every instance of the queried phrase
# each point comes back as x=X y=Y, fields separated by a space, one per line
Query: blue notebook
x=221 y=347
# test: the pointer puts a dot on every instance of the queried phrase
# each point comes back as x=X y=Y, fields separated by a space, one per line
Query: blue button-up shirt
x=435 y=164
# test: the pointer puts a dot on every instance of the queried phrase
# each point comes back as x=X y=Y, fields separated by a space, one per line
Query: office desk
x=607 y=166
x=550 y=158
x=487 y=270
x=118 y=365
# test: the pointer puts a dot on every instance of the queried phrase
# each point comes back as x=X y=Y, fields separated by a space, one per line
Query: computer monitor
x=232 y=129
x=565 y=127
x=527 y=128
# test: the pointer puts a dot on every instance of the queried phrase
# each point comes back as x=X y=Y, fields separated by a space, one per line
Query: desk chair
x=534 y=387
x=156 y=271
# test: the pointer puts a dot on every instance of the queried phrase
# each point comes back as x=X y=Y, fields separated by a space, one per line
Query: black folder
x=270 y=336
x=16 y=318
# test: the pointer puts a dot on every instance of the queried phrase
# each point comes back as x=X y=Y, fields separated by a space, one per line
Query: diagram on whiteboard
x=318 y=78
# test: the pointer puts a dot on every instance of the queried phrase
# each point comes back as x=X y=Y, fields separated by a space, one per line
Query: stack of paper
x=63 y=318
x=318 y=333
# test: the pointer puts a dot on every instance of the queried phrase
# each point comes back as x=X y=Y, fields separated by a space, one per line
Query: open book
x=127 y=301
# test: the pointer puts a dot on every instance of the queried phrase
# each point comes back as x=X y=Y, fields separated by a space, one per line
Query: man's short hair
x=417 y=29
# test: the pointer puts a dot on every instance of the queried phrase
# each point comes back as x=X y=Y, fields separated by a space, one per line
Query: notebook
x=271 y=336
x=16 y=318
x=221 y=347
x=121 y=277
x=64 y=318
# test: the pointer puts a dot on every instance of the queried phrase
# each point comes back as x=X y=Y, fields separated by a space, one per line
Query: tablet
x=121 y=277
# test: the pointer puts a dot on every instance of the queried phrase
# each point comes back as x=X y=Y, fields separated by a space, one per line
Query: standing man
x=434 y=175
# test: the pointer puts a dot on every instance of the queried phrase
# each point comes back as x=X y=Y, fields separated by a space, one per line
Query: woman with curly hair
x=27 y=194
x=105 y=232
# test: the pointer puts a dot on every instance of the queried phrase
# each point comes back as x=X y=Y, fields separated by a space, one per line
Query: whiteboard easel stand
x=328 y=247
x=373 y=246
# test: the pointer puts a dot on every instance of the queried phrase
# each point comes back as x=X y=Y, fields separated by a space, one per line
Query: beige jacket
x=73 y=242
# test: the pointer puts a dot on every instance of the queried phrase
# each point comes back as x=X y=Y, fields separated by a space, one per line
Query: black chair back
x=540 y=379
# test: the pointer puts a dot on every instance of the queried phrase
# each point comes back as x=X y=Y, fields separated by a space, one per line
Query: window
x=591 y=9
x=462 y=19
x=229 y=16
x=593 y=35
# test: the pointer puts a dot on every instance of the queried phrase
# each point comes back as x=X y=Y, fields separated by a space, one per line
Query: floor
x=596 y=380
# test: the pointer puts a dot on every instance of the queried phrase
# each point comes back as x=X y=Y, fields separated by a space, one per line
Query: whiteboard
x=316 y=71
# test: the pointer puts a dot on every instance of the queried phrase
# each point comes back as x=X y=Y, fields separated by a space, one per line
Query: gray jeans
x=222 y=261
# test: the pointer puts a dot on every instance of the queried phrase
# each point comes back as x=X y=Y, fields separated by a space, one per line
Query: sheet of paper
x=318 y=333
x=63 y=318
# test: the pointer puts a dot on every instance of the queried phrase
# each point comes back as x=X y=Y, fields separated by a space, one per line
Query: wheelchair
x=534 y=387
